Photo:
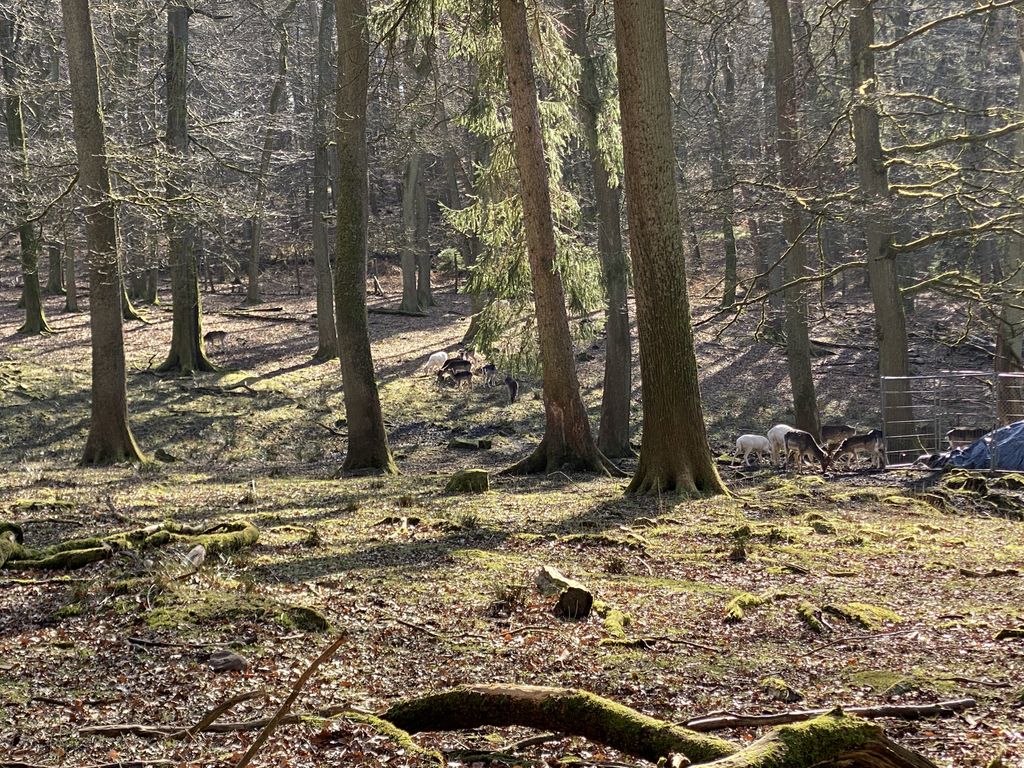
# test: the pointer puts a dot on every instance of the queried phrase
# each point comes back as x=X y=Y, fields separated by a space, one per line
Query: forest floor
x=436 y=590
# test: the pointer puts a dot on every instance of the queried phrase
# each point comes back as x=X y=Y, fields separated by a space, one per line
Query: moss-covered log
x=77 y=553
x=832 y=739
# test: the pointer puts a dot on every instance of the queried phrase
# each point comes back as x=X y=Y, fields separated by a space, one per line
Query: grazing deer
x=834 y=434
x=216 y=337
x=455 y=364
x=463 y=378
x=435 y=361
x=871 y=443
x=961 y=437
x=757 y=445
x=803 y=445
x=777 y=441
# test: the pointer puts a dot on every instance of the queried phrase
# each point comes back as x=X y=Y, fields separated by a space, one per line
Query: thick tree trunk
x=567 y=442
x=187 y=353
x=424 y=291
x=674 y=452
x=256 y=241
x=327 y=331
x=55 y=279
x=110 y=437
x=1010 y=323
x=798 y=345
x=367 y=440
x=28 y=232
x=890 y=323
x=613 y=432
x=832 y=739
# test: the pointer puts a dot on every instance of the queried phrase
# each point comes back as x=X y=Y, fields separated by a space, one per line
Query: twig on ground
x=722 y=720
x=286 y=705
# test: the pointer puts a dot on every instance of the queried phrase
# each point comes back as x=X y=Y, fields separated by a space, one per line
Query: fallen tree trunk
x=829 y=739
x=77 y=553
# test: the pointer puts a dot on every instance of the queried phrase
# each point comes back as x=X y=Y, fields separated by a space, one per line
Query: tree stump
x=468 y=481
x=574 y=599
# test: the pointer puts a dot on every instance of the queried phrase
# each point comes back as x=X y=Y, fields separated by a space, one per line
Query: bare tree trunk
x=1010 y=324
x=613 y=433
x=674 y=452
x=890 y=323
x=28 y=231
x=55 y=279
x=187 y=353
x=367 y=440
x=424 y=291
x=256 y=241
x=798 y=345
x=110 y=437
x=722 y=172
x=70 y=286
x=567 y=438
x=410 y=299
x=327 y=331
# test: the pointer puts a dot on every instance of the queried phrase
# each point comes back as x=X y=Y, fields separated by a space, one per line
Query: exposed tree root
x=77 y=553
x=831 y=739
x=548 y=457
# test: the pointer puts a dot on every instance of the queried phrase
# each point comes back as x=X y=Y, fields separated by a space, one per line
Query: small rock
x=226 y=661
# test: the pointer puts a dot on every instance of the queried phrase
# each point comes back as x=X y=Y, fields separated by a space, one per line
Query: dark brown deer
x=871 y=443
x=803 y=445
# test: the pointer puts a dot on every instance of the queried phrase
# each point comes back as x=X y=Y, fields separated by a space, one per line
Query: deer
x=216 y=337
x=871 y=443
x=834 y=434
x=961 y=437
x=757 y=445
x=803 y=445
x=777 y=441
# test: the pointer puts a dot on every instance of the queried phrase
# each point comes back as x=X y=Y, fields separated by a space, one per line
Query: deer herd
x=840 y=444
x=458 y=370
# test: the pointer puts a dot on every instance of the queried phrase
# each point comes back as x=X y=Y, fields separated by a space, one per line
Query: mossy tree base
x=77 y=553
x=832 y=739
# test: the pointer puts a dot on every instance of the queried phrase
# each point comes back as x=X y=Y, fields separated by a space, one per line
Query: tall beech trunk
x=613 y=432
x=188 y=353
x=410 y=298
x=890 y=322
x=367 y=440
x=722 y=172
x=28 y=231
x=327 y=330
x=798 y=344
x=567 y=442
x=1010 y=324
x=674 y=452
x=694 y=257
x=421 y=234
x=55 y=278
x=252 y=295
x=110 y=437
x=70 y=286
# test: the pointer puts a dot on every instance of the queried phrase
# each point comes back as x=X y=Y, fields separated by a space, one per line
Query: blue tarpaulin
x=1008 y=443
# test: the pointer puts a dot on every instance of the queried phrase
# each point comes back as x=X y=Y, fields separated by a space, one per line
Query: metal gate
x=918 y=411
